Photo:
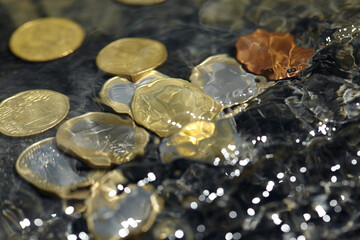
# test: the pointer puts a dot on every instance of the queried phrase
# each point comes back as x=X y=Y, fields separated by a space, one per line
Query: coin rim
x=127 y=74
x=65 y=192
x=65 y=113
x=90 y=157
x=13 y=48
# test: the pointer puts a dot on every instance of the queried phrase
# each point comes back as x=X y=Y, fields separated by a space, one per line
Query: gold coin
x=44 y=166
x=141 y=2
x=131 y=57
x=46 y=39
x=166 y=105
x=31 y=112
x=102 y=139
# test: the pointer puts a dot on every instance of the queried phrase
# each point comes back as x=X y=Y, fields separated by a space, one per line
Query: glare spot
x=353 y=162
x=25 y=223
x=266 y=194
x=333 y=179
x=342 y=197
x=212 y=196
x=236 y=236
x=358 y=153
x=201 y=228
x=270 y=186
x=179 y=233
x=280 y=175
x=193 y=205
x=206 y=192
x=303 y=226
x=285 y=228
x=69 y=210
x=83 y=236
x=275 y=217
x=127 y=190
x=320 y=210
x=151 y=176
x=123 y=232
x=71 y=237
x=53 y=215
x=312 y=133
x=292 y=179
x=307 y=216
x=229 y=236
x=326 y=218
x=112 y=193
x=301 y=237
x=336 y=167
x=251 y=211
x=333 y=203
x=256 y=200
x=337 y=209
x=232 y=214
x=220 y=192
x=38 y=222
x=303 y=170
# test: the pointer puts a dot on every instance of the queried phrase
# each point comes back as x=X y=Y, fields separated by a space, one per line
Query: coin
x=102 y=139
x=166 y=105
x=31 y=112
x=141 y=2
x=131 y=57
x=50 y=170
x=46 y=39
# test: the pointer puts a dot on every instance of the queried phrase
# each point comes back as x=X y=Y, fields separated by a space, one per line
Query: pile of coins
x=187 y=114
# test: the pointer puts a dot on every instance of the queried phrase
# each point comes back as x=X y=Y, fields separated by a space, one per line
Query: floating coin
x=46 y=39
x=211 y=142
x=102 y=139
x=273 y=55
x=116 y=210
x=44 y=166
x=131 y=57
x=166 y=105
x=31 y=112
x=141 y=2
x=223 y=78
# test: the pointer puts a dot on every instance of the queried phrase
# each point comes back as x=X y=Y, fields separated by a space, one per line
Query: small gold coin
x=131 y=57
x=102 y=139
x=46 y=39
x=32 y=112
x=141 y=2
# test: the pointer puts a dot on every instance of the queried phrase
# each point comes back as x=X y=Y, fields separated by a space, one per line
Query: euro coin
x=31 y=112
x=131 y=57
x=46 y=39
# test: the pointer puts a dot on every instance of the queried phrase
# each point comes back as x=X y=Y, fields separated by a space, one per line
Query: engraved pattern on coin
x=31 y=112
x=46 y=39
x=130 y=57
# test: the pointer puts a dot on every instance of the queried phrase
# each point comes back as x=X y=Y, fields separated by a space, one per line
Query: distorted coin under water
x=117 y=210
x=166 y=105
x=31 y=112
x=211 y=142
x=50 y=170
x=131 y=57
x=46 y=39
x=118 y=92
x=223 y=78
x=141 y=2
x=102 y=139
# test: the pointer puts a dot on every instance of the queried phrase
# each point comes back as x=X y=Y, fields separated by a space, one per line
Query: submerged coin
x=223 y=78
x=131 y=57
x=102 y=139
x=166 y=105
x=211 y=142
x=46 y=39
x=44 y=166
x=31 y=112
x=118 y=92
x=141 y=2
x=116 y=210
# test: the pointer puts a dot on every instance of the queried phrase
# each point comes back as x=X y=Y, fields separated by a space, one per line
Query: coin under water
x=141 y=2
x=206 y=141
x=46 y=39
x=118 y=92
x=131 y=57
x=118 y=210
x=50 y=170
x=31 y=112
x=224 y=79
x=166 y=105
x=102 y=139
